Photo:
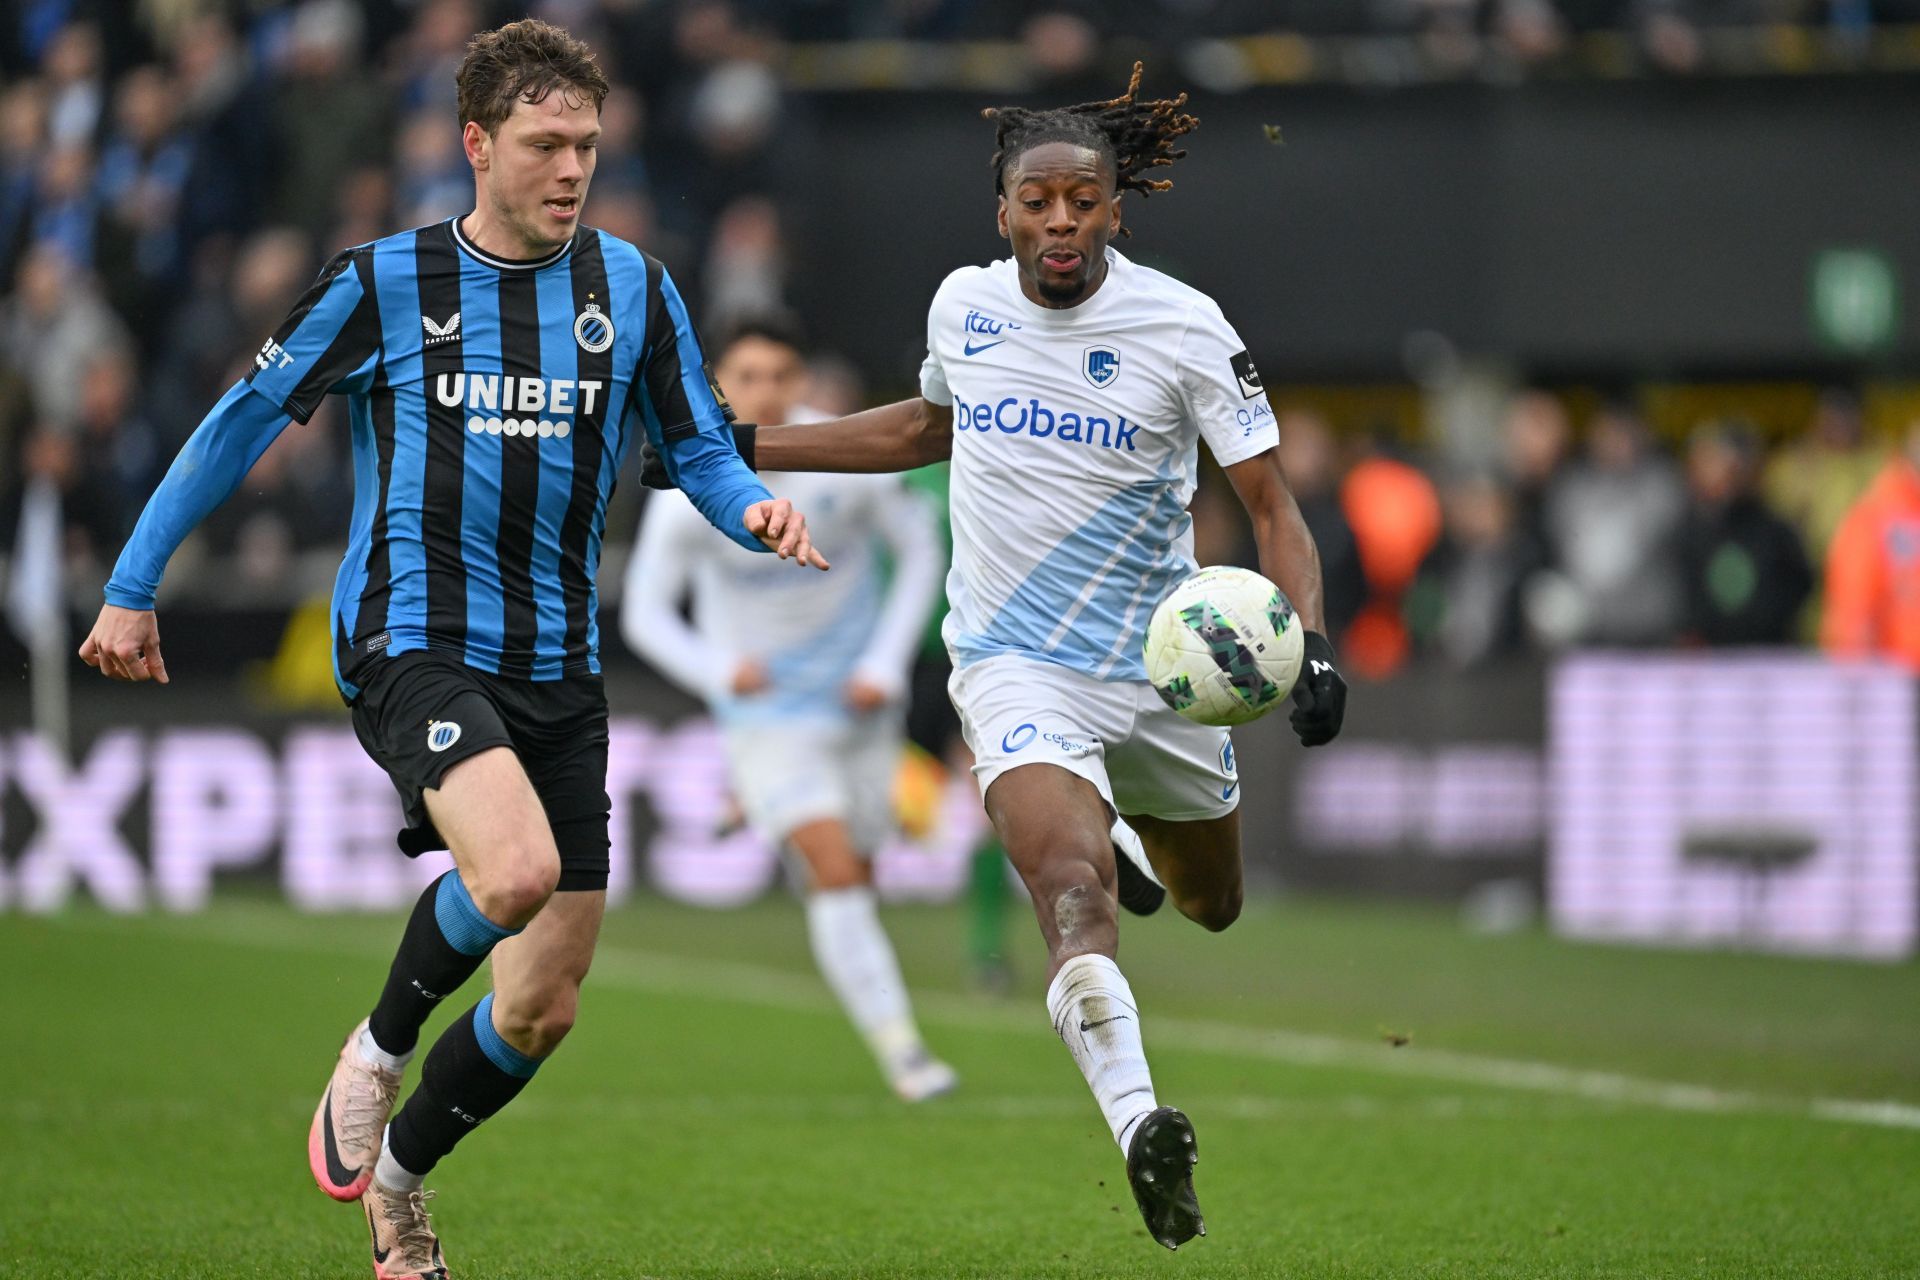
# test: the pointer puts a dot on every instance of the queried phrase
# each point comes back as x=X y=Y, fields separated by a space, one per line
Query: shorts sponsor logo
x=441 y=734
x=1226 y=792
x=1069 y=745
x=1018 y=738
x=1101 y=365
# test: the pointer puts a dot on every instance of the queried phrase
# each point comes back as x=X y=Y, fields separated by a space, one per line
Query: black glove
x=653 y=468
x=1319 y=695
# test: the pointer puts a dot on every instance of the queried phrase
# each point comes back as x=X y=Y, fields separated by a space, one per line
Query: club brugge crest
x=592 y=330
x=1101 y=365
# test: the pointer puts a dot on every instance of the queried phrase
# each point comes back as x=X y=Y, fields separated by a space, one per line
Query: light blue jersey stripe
x=396 y=276
x=1121 y=560
x=485 y=460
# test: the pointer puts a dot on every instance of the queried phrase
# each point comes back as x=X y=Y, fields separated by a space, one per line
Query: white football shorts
x=787 y=775
x=1118 y=735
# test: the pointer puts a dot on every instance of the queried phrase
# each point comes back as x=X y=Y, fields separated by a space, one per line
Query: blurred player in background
x=1070 y=388
x=496 y=367
x=808 y=678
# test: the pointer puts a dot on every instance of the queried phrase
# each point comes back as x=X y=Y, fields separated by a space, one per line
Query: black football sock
x=446 y=939
x=470 y=1073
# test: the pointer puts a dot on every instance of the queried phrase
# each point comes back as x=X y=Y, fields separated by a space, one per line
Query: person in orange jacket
x=1873 y=567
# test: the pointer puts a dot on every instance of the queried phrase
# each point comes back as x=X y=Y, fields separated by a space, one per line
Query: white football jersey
x=1074 y=455
x=812 y=631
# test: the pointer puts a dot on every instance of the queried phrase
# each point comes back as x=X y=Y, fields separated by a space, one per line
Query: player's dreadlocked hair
x=1135 y=135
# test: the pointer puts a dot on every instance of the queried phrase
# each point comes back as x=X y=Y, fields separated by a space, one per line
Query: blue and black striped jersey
x=492 y=405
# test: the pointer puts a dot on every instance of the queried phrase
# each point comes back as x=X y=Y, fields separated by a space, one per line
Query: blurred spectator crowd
x=1603 y=537
x=173 y=172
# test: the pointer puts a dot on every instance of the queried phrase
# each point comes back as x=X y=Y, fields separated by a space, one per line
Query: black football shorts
x=421 y=713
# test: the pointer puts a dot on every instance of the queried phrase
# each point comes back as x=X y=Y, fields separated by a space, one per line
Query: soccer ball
x=1224 y=648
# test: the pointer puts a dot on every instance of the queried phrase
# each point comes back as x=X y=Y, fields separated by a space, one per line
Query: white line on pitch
x=675 y=975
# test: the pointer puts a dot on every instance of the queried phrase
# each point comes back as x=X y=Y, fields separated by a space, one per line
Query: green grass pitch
x=713 y=1115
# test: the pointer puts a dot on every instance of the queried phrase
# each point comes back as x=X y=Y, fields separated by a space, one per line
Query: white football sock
x=857 y=961
x=1094 y=1012
x=388 y=1172
x=370 y=1050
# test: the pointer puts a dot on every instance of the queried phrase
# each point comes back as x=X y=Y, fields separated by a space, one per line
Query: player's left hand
x=784 y=531
x=865 y=697
x=1319 y=695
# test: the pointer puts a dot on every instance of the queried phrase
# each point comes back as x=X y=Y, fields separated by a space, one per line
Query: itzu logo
x=982 y=324
x=441 y=734
x=1101 y=365
x=592 y=330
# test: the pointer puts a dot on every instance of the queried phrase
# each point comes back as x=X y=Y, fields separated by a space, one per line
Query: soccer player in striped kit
x=498 y=368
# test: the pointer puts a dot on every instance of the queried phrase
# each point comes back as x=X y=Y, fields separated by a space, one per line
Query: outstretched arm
x=1287 y=553
x=1289 y=558
x=125 y=640
x=894 y=437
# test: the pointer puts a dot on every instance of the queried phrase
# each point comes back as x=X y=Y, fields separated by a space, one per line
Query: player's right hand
x=784 y=531
x=749 y=678
x=125 y=645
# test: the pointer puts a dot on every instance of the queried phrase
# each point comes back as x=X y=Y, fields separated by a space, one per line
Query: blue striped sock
x=466 y=929
x=495 y=1046
x=446 y=939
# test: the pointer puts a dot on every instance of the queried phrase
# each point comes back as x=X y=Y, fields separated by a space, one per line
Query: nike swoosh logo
x=379 y=1254
x=341 y=1175
x=1086 y=1026
x=972 y=350
x=1226 y=792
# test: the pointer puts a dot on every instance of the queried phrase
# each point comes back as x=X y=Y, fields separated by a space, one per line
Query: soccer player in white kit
x=1070 y=387
x=808 y=685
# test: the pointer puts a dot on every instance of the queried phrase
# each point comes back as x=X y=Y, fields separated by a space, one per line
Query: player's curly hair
x=1136 y=136
x=524 y=61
